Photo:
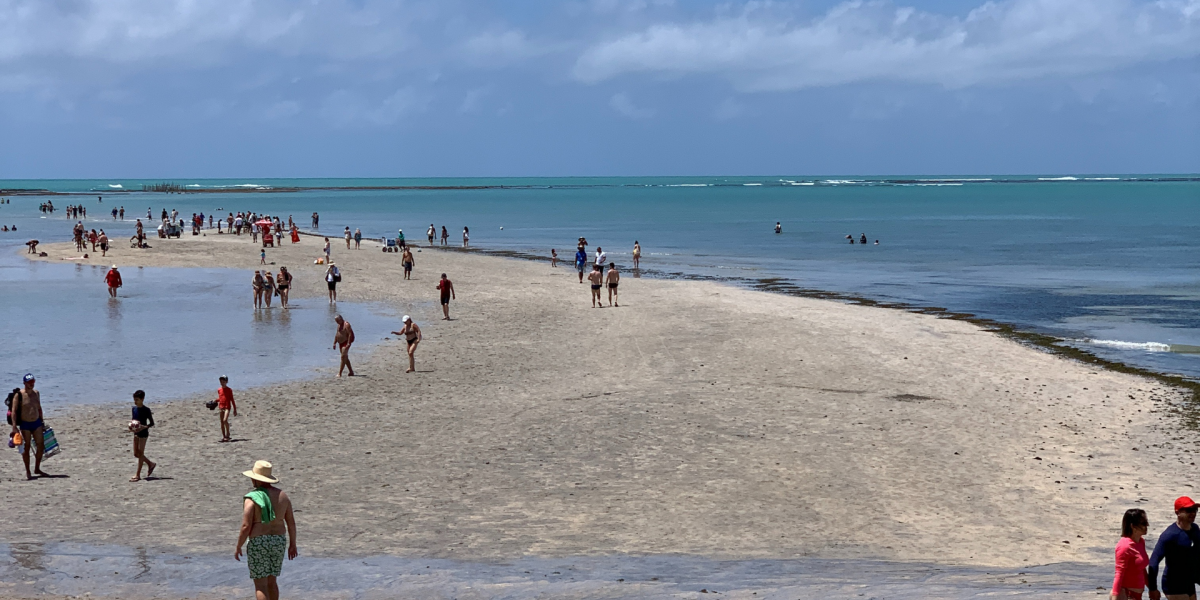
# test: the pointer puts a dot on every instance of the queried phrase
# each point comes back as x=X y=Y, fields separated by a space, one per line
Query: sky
x=366 y=88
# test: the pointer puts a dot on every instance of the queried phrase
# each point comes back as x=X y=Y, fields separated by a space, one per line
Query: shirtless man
x=27 y=418
x=596 y=277
x=342 y=340
x=412 y=336
x=431 y=233
x=266 y=517
x=408 y=262
x=612 y=278
x=447 y=290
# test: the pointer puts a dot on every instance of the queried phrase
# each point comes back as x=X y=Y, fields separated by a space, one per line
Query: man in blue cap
x=27 y=418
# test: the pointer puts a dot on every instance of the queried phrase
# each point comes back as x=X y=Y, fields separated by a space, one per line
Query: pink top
x=1131 y=565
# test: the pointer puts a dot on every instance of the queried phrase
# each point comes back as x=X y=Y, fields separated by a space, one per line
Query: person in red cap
x=113 y=279
x=1179 y=544
x=1131 y=557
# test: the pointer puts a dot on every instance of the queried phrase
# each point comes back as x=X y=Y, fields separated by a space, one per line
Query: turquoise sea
x=1107 y=263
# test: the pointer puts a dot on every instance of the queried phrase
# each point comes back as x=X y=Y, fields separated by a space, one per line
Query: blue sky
x=346 y=88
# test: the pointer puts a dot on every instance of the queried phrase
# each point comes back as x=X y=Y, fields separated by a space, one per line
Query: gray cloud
x=763 y=47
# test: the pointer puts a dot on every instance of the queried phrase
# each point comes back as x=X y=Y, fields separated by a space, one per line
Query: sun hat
x=406 y=318
x=1183 y=502
x=261 y=472
x=114 y=266
x=28 y=377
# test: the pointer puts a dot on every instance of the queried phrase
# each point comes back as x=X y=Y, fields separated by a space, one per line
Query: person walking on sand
x=262 y=256
x=327 y=251
x=113 y=280
x=611 y=279
x=431 y=233
x=357 y=238
x=408 y=262
x=447 y=289
x=349 y=237
x=283 y=282
x=266 y=516
x=596 y=278
x=1131 y=556
x=103 y=243
x=412 y=337
x=225 y=405
x=1177 y=545
x=580 y=262
x=257 y=283
x=332 y=278
x=553 y=258
x=637 y=254
x=140 y=424
x=27 y=419
x=343 y=338
x=601 y=258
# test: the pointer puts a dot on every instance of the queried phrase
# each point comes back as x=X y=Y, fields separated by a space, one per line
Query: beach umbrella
x=264 y=223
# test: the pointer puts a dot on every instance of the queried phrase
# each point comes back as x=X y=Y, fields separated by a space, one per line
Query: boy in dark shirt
x=140 y=425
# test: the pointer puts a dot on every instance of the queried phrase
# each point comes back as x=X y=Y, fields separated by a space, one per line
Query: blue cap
x=28 y=377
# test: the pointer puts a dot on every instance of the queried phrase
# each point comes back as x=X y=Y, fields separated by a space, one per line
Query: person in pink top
x=1132 y=560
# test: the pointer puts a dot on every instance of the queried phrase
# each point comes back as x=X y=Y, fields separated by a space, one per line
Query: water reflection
x=28 y=555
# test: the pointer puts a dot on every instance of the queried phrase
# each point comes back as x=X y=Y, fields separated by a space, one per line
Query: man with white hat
x=113 y=279
x=266 y=515
x=412 y=335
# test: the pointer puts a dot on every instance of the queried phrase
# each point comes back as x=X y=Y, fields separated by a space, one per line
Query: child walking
x=225 y=405
x=140 y=425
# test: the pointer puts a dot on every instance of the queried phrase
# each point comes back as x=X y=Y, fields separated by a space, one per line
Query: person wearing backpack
x=332 y=278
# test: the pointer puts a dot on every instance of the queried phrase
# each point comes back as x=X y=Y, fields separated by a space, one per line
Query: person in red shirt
x=113 y=279
x=447 y=289
x=1131 y=557
x=225 y=404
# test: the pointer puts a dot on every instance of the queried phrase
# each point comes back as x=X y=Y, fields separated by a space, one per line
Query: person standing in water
x=316 y=219
x=140 y=424
x=466 y=237
x=637 y=254
x=447 y=292
x=445 y=236
x=611 y=279
x=342 y=339
x=257 y=283
x=27 y=419
x=268 y=287
x=266 y=517
x=225 y=405
x=113 y=280
x=412 y=337
x=283 y=283
x=778 y=227
x=431 y=233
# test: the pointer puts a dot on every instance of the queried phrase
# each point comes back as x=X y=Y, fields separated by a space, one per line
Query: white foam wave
x=1058 y=179
x=1101 y=178
x=116 y=186
x=937 y=184
x=751 y=184
x=801 y=183
x=957 y=179
x=688 y=185
x=842 y=181
x=1121 y=345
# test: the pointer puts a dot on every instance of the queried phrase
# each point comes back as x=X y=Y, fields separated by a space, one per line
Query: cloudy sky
x=325 y=88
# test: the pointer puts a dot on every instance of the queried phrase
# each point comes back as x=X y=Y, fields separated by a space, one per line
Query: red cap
x=1183 y=502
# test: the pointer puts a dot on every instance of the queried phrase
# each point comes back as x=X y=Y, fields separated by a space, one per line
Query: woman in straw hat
x=266 y=511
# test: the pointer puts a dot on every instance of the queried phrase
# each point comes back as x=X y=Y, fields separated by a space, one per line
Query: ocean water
x=1108 y=263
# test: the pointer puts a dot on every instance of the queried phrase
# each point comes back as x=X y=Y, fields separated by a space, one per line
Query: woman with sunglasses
x=1131 y=557
x=1177 y=544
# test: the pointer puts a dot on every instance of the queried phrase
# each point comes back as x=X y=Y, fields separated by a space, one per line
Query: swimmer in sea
x=596 y=278
x=412 y=337
x=778 y=227
x=611 y=279
x=863 y=240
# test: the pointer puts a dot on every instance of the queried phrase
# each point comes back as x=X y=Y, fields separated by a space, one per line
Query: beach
x=696 y=419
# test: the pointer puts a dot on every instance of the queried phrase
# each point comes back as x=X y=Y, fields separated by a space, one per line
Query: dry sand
x=697 y=418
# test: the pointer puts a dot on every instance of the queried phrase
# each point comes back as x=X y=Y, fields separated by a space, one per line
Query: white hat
x=114 y=266
x=261 y=472
x=406 y=318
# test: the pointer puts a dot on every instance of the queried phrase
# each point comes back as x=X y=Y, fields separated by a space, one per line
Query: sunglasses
x=1191 y=509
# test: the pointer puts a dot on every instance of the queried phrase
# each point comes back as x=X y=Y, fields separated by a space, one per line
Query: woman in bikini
x=268 y=288
x=257 y=283
x=412 y=336
x=283 y=282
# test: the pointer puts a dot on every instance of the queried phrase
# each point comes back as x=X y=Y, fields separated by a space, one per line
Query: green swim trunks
x=264 y=554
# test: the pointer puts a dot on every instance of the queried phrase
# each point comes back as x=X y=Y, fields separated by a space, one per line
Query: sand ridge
x=697 y=418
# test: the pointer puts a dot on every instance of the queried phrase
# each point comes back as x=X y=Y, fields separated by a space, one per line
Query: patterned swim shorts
x=264 y=554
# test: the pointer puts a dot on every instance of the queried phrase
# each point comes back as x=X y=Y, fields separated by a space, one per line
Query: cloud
x=624 y=105
x=345 y=108
x=765 y=48
x=500 y=48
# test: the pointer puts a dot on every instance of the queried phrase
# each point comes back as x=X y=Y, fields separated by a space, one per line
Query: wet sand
x=696 y=419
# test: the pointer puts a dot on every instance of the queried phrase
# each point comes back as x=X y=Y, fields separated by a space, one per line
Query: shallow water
x=171 y=333
x=136 y=573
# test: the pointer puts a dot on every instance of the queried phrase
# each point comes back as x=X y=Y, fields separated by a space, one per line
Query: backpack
x=8 y=402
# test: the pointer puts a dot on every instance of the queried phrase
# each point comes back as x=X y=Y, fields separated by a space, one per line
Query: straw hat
x=261 y=472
